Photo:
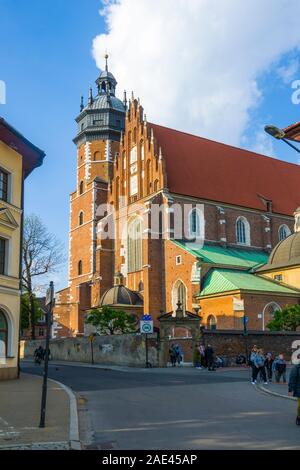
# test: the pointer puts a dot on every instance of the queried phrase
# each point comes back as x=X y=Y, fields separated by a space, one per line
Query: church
x=161 y=217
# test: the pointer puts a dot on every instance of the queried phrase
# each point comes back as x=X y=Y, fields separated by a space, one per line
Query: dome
x=105 y=102
x=121 y=295
x=286 y=253
x=106 y=74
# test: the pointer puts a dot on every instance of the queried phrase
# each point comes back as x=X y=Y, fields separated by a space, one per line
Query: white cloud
x=288 y=72
x=195 y=63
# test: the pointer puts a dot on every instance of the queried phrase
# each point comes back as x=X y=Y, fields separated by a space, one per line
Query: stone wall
x=230 y=343
x=122 y=350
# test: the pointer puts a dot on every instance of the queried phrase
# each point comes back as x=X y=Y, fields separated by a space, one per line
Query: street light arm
x=291 y=145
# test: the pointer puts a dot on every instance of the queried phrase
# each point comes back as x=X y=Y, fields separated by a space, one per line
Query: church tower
x=100 y=123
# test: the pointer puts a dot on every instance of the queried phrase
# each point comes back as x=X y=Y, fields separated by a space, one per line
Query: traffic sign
x=146 y=317
x=50 y=294
x=146 y=327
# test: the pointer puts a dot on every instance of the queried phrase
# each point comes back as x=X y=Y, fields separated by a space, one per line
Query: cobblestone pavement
x=38 y=446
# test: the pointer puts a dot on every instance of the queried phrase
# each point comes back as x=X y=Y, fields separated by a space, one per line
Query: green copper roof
x=226 y=280
x=225 y=256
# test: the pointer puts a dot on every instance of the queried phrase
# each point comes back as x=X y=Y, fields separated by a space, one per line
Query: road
x=180 y=408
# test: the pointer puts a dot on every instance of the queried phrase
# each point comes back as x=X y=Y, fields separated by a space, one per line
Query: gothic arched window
x=179 y=296
x=283 y=232
x=81 y=187
x=3 y=335
x=135 y=246
x=194 y=223
x=242 y=231
x=148 y=177
x=79 y=268
x=81 y=217
x=155 y=186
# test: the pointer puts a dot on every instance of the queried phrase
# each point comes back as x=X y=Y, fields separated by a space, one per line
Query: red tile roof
x=214 y=171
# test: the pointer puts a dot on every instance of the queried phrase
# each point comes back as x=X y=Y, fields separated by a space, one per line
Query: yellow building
x=284 y=262
x=18 y=157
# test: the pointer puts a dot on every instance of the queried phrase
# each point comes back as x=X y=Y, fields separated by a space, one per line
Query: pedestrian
x=294 y=388
x=280 y=369
x=210 y=357
x=202 y=356
x=178 y=354
x=259 y=363
x=38 y=355
x=251 y=361
x=269 y=366
x=172 y=355
x=197 y=357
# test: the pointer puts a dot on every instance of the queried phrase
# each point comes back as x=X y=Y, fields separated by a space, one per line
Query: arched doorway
x=211 y=322
x=3 y=336
x=268 y=313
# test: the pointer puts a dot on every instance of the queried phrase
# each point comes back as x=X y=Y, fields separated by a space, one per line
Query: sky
x=221 y=69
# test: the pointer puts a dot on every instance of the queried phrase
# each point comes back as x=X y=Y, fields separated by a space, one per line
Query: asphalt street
x=180 y=408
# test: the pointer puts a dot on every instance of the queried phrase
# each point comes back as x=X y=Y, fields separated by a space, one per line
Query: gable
x=7 y=219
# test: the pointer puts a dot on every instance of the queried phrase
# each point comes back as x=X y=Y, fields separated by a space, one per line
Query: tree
x=110 y=322
x=42 y=254
x=25 y=310
x=287 y=319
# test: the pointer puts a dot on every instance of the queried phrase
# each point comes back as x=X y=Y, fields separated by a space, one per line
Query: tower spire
x=106 y=64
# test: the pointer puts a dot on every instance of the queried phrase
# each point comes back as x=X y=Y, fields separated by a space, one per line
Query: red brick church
x=160 y=216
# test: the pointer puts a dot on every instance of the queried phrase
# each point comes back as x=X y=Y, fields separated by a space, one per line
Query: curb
x=275 y=394
x=74 y=423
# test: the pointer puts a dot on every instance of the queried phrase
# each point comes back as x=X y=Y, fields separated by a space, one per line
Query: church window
x=283 y=232
x=178 y=260
x=141 y=286
x=179 y=296
x=242 y=231
x=134 y=135
x=81 y=187
x=97 y=156
x=81 y=217
x=79 y=268
x=194 y=224
x=134 y=246
x=3 y=334
x=155 y=186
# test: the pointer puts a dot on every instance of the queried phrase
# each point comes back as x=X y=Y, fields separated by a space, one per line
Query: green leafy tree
x=111 y=322
x=286 y=320
x=26 y=310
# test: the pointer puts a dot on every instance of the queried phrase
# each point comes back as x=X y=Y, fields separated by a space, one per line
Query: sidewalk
x=20 y=402
x=276 y=389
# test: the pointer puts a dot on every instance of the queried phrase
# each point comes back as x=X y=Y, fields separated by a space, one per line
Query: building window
x=3 y=335
x=41 y=331
x=134 y=246
x=194 y=224
x=269 y=312
x=81 y=218
x=142 y=150
x=141 y=286
x=179 y=296
x=148 y=176
x=211 y=322
x=3 y=185
x=278 y=277
x=79 y=268
x=242 y=231
x=283 y=232
x=155 y=186
x=81 y=187
x=178 y=260
x=3 y=250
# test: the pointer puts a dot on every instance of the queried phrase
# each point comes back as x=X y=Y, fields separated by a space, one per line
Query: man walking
x=294 y=388
x=209 y=356
x=280 y=369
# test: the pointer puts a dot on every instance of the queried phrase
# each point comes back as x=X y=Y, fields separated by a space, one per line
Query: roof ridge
x=250 y=152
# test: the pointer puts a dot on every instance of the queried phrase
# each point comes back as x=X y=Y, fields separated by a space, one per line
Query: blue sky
x=46 y=61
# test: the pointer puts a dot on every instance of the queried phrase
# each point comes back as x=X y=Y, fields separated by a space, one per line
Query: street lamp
x=279 y=134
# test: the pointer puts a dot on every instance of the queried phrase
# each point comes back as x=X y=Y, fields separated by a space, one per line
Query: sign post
x=49 y=304
x=245 y=333
x=92 y=338
x=146 y=327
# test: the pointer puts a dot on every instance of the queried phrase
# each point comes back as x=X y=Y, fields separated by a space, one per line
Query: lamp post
x=279 y=134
